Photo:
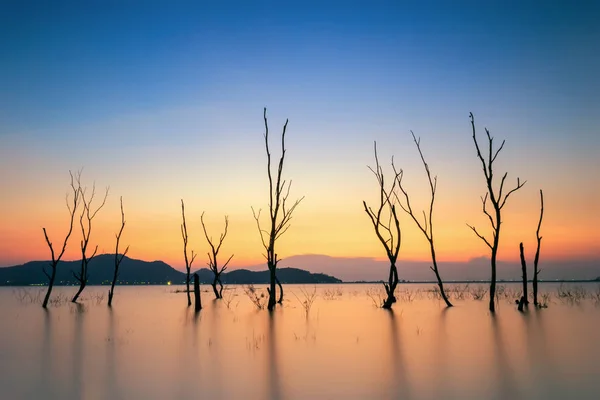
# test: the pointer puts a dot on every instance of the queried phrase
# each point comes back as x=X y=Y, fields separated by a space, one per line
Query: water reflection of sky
x=150 y=345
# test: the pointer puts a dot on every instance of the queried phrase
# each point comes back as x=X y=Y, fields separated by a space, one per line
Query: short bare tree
x=536 y=270
x=427 y=225
x=523 y=299
x=118 y=257
x=85 y=221
x=188 y=261
x=280 y=214
x=497 y=198
x=213 y=263
x=387 y=227
x=72 y=207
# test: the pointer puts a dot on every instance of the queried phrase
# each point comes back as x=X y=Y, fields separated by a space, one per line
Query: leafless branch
x=480 y=236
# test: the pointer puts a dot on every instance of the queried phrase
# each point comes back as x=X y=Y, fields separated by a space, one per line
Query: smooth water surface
x=150 y=345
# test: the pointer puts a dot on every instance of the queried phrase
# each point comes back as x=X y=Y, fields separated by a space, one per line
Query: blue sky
x=149 y=94
x=80 y=62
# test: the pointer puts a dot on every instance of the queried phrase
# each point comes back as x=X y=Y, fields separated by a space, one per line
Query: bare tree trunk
x=214 y=286
x=111 y=292
x=437 y=275
x=521 y=303
x=492 y=303
x=390 y=287
x=50 y=286
x=187 y=291
x=220 y=287
x=81 y=287
x=271 y=289
x=534 y=285
x=524 y=272
x=280 y=301
x=536 y=271
x=197 y=299
x=441 y=286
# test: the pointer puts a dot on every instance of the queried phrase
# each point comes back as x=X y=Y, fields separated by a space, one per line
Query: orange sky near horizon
x=322 y=225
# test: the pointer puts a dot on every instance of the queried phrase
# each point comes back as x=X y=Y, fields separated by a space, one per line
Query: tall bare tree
x=280 y=213
x=387 y=227
x=497 y=198
x=85 y=221
x=118 y=257
x=213 y=263
x=72 y=207
x=427 y=225
x=536 y=271
x=188 y=261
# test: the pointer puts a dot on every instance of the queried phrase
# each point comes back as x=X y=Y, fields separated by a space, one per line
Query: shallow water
x=151 y=346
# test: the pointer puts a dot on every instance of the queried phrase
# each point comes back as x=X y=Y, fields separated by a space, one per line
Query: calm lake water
x=151 y=346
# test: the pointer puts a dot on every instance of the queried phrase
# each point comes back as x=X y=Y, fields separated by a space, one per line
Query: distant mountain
x=101 y=267
x=352 y=269
x=100 y=270
x=285 y=275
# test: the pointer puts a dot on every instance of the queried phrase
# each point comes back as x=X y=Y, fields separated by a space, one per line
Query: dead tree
x=118 y=257
x=387 y=227
x=85 y=221
x=188 y=262
x=72 y=207
x=213 y=264
x=197 y=298
x=524 y=273
x=280 y=213
x=498 y=200
x=427 y=226
x=536 y=271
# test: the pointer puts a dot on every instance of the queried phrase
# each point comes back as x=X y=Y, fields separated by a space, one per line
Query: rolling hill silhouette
x=134 y=272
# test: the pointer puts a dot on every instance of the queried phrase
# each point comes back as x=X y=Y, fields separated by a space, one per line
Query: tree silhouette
x=188 y=262
x=212 y=257
x=536 y=260
x=523 y=299
x=387 y=227
x=118 y=257
x=85 y=222
x=427 y=225
x=72 y=207
x=498 y=200
x=280 y=214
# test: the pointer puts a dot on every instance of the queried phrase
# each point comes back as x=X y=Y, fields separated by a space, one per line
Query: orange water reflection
x=151 y=346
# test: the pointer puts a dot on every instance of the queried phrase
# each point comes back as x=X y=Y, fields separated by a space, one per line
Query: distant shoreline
x=323 y=283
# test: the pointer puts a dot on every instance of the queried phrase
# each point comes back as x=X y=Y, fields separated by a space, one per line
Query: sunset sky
x=164 y=102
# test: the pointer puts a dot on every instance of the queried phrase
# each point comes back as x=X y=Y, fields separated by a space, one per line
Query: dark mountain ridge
x=136 y=272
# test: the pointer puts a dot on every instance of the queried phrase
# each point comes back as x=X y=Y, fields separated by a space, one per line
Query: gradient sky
x=164 y=101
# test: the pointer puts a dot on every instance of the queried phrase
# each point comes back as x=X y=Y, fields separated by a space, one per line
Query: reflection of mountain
x=140 y=272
